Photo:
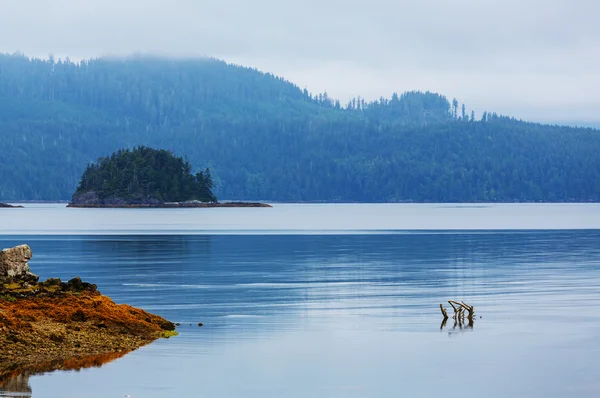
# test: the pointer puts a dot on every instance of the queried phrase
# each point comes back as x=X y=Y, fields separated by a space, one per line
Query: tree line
x=264 y=138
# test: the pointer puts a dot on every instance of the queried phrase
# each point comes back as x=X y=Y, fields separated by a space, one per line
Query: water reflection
x=460 y=323
x=16 y=382
x=233 y=280
x=310 y=315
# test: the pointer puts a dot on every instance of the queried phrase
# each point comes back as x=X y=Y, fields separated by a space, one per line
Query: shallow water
x=296 y=313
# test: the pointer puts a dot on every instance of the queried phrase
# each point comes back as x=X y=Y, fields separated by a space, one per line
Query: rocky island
x=5 y=205
x=63 y=325
x=147 y=178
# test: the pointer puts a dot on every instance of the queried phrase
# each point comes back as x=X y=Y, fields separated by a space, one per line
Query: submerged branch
x=460 y=309
x=444 y=313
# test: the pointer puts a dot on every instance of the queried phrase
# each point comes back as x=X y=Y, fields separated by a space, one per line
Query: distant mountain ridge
x=264 y=138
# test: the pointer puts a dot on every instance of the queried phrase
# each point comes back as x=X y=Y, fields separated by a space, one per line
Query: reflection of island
x=53 y=324
x=16 y=383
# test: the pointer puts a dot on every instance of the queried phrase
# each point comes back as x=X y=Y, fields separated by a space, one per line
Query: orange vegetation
x=43 y=327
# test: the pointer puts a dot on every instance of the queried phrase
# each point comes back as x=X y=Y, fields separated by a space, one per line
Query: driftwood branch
x=460 y=309
x=444 y=313
x=443 y=325
x=453 y=307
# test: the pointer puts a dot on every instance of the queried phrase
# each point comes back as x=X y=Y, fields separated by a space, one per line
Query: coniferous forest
x=263 y=138
x=145 y=176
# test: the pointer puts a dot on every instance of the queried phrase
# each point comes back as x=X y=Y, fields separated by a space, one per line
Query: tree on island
x=143 y=176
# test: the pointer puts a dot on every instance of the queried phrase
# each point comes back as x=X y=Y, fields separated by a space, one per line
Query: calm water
x=294 y=219
x=335 y=300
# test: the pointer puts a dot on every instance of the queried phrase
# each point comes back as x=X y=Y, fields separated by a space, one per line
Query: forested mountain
x=264 y=138
x=142 y=176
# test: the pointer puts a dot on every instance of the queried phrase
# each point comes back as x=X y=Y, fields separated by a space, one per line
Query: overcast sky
x=533 y=59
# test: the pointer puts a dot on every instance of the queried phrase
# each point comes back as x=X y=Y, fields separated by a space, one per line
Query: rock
x=114 y=200
x=76 y=285
x=87 y=198
x=9 y=206
x=51 y=282
x=91 y=198
x=72 y=326
x=13 y=263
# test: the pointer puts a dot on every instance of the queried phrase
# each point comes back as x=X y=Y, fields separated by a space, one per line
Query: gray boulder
x=87 y=198
x=13 y=263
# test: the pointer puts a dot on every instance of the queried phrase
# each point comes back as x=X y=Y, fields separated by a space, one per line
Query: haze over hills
x=265 y=138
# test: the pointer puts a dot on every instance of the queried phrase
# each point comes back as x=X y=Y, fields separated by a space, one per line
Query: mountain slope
x=264 y=138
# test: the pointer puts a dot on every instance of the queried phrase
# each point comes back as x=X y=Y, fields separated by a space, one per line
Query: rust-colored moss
x=44 y=325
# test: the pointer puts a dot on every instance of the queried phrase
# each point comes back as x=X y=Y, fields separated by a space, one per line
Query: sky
x=537 y=60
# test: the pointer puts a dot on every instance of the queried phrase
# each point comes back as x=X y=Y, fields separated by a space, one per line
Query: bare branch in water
x=444 y=313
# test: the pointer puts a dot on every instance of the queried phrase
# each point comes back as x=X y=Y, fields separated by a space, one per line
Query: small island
x=5 y=205
x=63 y=325
x=147 y=178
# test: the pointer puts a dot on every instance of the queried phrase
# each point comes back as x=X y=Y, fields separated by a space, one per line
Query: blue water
x=291 y=314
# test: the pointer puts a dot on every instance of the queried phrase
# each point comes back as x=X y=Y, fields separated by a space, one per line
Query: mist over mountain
x=264 y=138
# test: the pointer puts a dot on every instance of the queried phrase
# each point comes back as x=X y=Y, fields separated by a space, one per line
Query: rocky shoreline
x=55 y=325
x=172 y=205
x=6 y=205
